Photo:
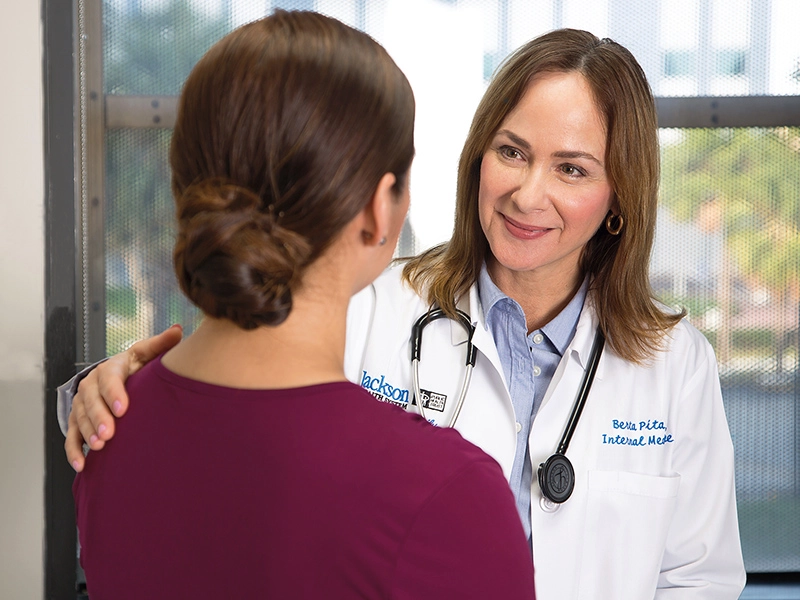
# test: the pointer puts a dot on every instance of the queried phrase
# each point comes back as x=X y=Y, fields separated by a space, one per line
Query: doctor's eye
x=572 y=170
x=510 y=153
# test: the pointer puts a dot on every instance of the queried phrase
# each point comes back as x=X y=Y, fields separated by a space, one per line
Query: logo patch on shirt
x=384 y=391
x=433 y=400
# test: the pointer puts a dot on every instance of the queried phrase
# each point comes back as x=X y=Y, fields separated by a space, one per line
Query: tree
x=146 y=52
x=751 y=180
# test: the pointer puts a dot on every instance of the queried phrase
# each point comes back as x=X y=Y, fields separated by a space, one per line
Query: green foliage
x=694 y=305
x=760 y=342
x=140 y=234
x=120 y=301
x=755 y=176
x=150 y=52
x=147 y=52
x=139 y=209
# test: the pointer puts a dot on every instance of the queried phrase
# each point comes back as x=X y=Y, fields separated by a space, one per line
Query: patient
x=228 y=479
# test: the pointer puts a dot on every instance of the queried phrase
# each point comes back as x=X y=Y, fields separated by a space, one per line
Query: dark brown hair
x=618 y=265
x=284 y=130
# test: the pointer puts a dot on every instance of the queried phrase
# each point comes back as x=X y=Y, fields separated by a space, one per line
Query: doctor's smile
x=524 y=232
x=542 y=184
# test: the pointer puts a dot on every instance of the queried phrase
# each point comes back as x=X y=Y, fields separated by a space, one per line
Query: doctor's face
x=544 y=190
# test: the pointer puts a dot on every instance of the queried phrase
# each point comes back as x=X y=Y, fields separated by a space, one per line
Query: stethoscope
x=556 y=475
x=416 y=347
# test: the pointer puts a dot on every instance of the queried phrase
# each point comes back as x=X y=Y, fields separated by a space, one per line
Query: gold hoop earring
x=614 y=223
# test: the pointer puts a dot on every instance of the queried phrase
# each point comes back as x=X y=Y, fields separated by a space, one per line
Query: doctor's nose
x=532 y=192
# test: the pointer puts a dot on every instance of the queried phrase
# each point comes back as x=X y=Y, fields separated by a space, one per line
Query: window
x=726 y=74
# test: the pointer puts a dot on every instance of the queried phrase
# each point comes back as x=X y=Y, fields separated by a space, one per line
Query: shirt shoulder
x=444 y=449
x=441 y=558
x=686 y=345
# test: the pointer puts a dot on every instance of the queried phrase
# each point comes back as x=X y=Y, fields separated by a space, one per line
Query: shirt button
x=519 y=427
x=537 y=339
x=536 y=371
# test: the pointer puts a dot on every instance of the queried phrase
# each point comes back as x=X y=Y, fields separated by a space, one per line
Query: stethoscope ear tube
x=416 y=352
x=556 y=475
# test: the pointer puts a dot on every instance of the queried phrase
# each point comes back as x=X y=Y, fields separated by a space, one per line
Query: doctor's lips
x=525 y=232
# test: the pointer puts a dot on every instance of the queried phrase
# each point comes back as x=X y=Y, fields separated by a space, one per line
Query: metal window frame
x=708 y=111
x=90 y=127
x=59 y=77
x=99 y=113
x=75 y=160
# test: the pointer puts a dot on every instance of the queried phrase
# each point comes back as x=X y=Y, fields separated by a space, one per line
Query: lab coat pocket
x=627 y=520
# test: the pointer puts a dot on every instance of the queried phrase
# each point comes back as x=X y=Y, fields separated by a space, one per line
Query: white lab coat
x=653 y=513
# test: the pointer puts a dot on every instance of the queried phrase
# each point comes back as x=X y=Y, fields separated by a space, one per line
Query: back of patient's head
x=284 y=130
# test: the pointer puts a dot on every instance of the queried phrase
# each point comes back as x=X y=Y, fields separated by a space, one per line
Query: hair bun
x=232 y=259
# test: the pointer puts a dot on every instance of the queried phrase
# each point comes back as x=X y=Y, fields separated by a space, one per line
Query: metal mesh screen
x=142 y=295
x=727 y=248
x=727 y=245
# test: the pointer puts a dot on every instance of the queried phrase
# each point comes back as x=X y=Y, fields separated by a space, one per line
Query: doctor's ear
x=379 y=215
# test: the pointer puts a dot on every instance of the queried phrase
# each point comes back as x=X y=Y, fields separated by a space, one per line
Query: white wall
x=21 y=303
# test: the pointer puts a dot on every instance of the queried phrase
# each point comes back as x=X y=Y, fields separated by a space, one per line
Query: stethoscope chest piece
x=556 y=475
x=557 y=478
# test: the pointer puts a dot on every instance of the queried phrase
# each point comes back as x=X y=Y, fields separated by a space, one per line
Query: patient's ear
x=379 y=215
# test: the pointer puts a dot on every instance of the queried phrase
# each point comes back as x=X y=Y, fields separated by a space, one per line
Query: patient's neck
x=306 y=349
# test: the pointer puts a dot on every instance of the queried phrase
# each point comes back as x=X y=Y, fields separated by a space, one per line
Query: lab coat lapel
x=482 y=338
x=579 y=349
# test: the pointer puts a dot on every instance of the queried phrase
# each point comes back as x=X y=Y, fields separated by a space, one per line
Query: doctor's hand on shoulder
x=101 y=395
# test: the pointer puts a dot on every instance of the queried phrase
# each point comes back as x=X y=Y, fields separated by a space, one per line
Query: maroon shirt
x=315 y=492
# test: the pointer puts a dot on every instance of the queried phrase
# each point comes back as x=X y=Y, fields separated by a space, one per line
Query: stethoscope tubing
x=583 y=392
x=416 y=352
x=556 y=475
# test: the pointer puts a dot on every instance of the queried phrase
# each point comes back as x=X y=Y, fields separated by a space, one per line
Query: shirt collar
x=489 y=293
x=559 y=331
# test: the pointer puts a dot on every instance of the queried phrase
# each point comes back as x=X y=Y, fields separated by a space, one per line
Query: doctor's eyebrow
x=570 y=154
x=514 y=138
x=578 y=154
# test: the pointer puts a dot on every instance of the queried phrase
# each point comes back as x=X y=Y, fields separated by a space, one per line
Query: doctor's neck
x=542 y=293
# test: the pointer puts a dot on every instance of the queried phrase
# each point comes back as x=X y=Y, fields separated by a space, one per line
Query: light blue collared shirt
x=529 y=362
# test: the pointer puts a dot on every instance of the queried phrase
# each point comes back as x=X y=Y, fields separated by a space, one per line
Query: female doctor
x=555 y=217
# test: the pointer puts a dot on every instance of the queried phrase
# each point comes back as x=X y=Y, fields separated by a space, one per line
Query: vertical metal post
x=503 y=24
x=60 y=538
x=297 y=4
x=797 y=409
x=90 y=170
x=558 y=14
x=705 y=52
x=757 y=61
x=361 y=15
x=637 y=35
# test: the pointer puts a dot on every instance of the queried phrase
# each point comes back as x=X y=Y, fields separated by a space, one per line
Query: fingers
x=110 y=394
x=112 y=374
x=101 y=395
x=146 y=350
x=73 y=446
x=80 y=428
x=93 y=419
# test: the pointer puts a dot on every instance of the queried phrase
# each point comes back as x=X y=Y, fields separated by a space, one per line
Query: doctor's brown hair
x=284 y=130
x=631 y=320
